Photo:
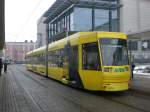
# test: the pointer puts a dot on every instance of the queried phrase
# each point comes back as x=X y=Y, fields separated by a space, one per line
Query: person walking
x=1 y=66
x=5 y=66
x=132 y=68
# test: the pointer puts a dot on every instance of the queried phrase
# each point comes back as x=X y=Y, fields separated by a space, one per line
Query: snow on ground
x=142 y=70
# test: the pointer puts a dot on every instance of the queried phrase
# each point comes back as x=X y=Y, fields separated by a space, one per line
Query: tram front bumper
x=119 y=86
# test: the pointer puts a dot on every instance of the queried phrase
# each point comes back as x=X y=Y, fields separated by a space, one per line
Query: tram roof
x=84 y=37
x=77 y=38
x=36 y=51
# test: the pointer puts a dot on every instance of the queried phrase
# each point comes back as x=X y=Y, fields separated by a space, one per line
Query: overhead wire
x=29 y=17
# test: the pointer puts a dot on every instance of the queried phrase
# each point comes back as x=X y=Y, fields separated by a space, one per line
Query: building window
x=72 y=21
x=59 y=25
x=82 y=19
x=63 y=22
x=39 y=40
x=54 y=28
x=101 y=20
x=104 y=21
x=49 y=26
x=68 y=22
x=133 y=45
x=145 y=45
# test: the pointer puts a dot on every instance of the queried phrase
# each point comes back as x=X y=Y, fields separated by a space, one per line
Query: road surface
x=23 y=91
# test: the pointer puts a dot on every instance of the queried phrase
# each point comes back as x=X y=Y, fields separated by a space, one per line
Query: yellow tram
x=89 y=60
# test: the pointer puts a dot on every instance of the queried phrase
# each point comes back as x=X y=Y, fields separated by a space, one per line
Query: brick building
x=15 y=51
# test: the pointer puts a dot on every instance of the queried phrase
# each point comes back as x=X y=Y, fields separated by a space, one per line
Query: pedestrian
x=1 y=66
x=132 y=68
x=5 y=66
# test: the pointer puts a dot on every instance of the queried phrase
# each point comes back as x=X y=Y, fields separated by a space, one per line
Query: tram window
x=90 y=56
x=55 y=58
x=61 y=58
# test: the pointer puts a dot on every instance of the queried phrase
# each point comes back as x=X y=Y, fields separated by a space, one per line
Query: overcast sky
x=21 y=18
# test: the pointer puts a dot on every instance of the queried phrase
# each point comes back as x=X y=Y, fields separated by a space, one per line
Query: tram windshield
x=114 y=52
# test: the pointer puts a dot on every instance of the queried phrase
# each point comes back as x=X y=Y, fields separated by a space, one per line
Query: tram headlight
x=107 y=69
x=126 y=69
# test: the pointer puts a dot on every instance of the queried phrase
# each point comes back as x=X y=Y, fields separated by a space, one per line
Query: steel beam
x=2 y=24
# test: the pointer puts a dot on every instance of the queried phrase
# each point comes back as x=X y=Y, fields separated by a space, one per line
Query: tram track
x=107 y=97
x=139 y=94
x=128 y=105
x=45 y=86
x=130 y=91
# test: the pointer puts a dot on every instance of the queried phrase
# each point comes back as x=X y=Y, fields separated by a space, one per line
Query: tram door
x=66 y=63
x=90 y=68
x=71 y=66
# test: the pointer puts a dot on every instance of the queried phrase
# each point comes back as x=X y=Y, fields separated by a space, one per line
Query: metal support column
x=118 y=15
x=2 y=24
x=110 y=20
x=110 y=16
x=93 y=19
x=46 y=50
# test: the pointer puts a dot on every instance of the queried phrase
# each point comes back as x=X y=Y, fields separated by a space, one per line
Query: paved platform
x=23 y=91
x=141 y=83
x=13 y=98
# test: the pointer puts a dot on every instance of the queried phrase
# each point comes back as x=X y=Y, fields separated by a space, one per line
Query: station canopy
x=61 y=5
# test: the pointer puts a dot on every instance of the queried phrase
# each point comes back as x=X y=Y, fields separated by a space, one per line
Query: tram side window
x=30 y=58
x=35 y=59
x=90 y=56
x=61 y=58
x=55 y=58
x=39 y=59
x=27 y=59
